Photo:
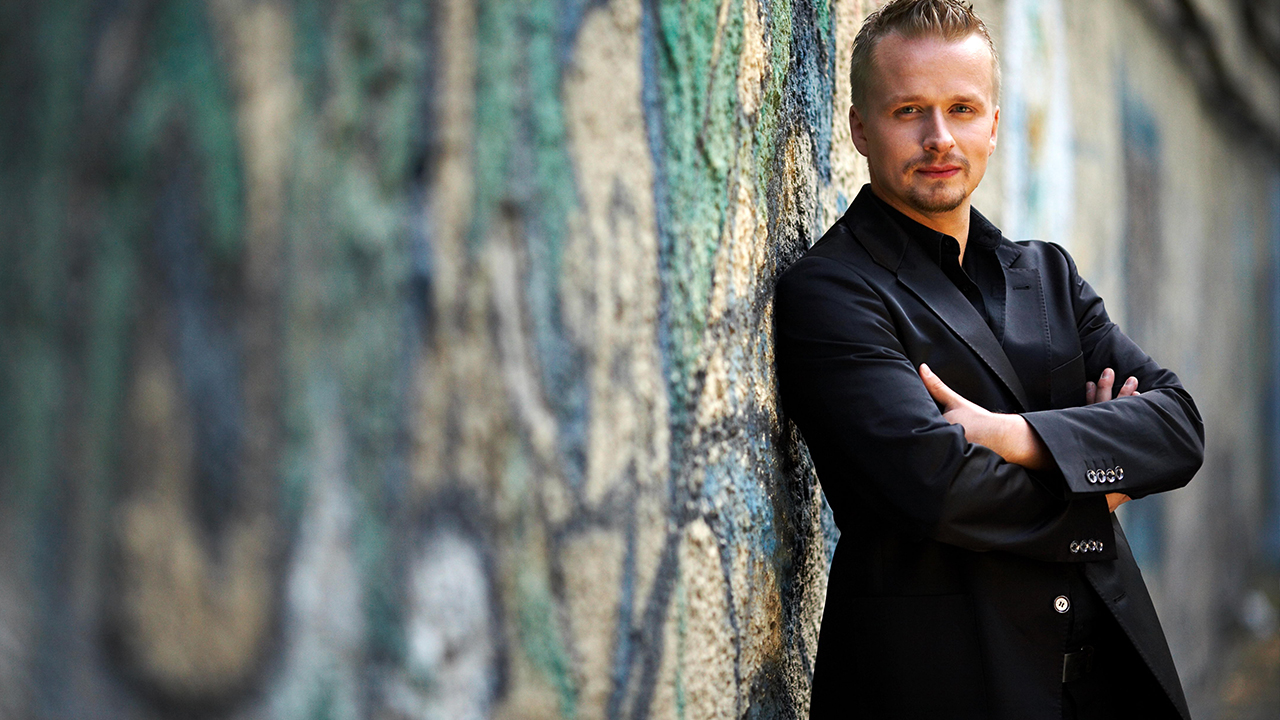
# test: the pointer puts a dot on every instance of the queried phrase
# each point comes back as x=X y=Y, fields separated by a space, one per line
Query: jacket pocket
x=1066 y=383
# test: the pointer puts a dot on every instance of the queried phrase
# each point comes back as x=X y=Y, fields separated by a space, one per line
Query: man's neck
x=953 y=222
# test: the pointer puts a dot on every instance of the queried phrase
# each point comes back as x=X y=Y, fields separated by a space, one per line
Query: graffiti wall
x=391 y=359
x=403 y=359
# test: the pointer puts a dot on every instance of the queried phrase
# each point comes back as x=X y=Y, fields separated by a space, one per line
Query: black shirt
x=980 y=279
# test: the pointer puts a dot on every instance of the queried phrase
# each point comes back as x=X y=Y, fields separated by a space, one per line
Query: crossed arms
x=1010 y=436
x=888 y=448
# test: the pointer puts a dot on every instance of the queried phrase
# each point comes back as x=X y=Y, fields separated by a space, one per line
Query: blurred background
x=405 y=359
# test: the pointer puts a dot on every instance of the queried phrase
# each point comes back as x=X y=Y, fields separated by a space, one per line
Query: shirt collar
x=982 y=234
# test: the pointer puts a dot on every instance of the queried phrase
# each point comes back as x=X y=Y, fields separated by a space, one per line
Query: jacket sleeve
x=881 y=445
x=1137 y=445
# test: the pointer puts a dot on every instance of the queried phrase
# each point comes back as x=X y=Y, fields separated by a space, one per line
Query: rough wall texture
x=398 y=359
x=391 y=359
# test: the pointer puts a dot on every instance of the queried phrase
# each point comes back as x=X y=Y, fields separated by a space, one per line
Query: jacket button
x=1075 y=546
x=1092 y=475
x=1119 y=473
x=1111 y=475
x=1061 y=604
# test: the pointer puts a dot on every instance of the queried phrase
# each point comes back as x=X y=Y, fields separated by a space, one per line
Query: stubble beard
x=933 y=197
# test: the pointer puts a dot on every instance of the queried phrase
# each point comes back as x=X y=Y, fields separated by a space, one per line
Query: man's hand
x=1101 y=392
x=1009 y=436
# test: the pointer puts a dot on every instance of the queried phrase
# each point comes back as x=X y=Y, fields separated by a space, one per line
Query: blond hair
x=945 y=19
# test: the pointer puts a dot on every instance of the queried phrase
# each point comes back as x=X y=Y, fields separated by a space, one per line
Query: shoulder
x=1053 y=260
x=835 y=282
x=827 y=280
x=1043 y=253
x=836 y=256
x=1062 y=282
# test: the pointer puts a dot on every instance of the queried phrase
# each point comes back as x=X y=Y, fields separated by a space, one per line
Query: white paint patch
x=1036 y=133
x=324 y=621
x=450 y=648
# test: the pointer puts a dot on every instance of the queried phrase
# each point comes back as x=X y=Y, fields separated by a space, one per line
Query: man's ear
x=857 y=131
x=995 y=123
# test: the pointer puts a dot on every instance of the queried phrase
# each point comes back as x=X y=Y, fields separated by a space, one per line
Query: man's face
x=929 y=124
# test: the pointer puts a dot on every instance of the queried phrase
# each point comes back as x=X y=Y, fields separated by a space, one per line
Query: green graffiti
x=698 y=67
x=36 y=183
x=186 y=87
x=498 y=42
x=539 y=639
x=767 y=130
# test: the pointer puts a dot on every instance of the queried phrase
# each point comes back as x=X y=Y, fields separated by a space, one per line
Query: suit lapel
x=1026 y=329
x=927 y=281
x=890 y=247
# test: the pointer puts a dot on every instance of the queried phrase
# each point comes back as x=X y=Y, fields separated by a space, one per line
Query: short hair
x=946 y=19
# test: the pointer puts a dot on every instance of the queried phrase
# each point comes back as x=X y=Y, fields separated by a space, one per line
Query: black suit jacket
x=941 y=595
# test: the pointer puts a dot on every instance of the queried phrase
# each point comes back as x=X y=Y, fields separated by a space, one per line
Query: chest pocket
x=1066 y=383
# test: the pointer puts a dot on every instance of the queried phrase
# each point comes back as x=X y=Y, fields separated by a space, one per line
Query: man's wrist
x=1026 y=447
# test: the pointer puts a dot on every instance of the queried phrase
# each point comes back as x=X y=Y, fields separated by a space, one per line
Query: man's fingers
x=1101 y=391
x=1104 y=385
x=938 y=389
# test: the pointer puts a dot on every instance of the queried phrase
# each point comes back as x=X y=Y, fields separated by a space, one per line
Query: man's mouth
x=938 y=172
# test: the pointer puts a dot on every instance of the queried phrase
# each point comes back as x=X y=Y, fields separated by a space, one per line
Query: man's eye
x=963 y=109
x=908 y=111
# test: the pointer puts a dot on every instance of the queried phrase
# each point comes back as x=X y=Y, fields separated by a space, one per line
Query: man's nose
x=937 y=136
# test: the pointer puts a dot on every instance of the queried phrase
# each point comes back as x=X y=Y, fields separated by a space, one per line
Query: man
x=938 y=374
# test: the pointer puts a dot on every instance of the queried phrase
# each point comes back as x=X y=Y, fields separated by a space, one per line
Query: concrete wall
x=397 y=359
x=393 y=359
x=1171 y=212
